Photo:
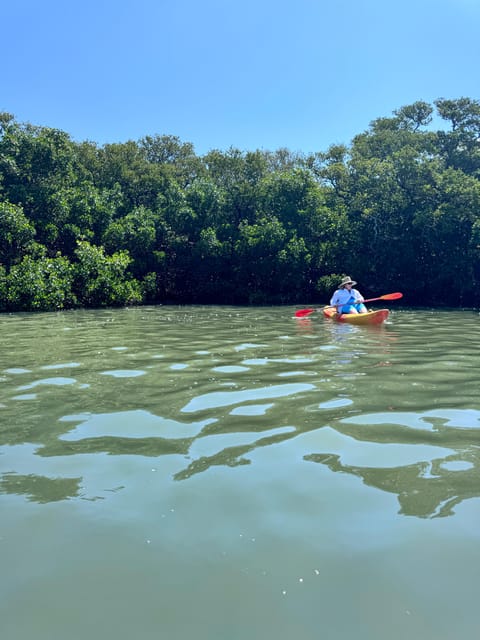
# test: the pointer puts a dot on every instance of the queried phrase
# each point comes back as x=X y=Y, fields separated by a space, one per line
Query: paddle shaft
x=388 y=296
x=362 y=301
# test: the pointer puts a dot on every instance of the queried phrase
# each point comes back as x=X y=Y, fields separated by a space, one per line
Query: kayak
x=371 y=317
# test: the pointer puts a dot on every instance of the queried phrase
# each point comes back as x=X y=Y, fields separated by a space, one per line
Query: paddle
x=301 y=313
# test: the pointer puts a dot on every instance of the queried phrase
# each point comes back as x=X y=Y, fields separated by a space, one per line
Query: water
x=231 y=473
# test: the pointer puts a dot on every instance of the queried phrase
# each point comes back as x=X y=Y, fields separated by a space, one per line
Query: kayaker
x=346 y=299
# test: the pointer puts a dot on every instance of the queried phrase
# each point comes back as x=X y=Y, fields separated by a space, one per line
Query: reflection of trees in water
x=40 y=488
x=230 y=456
x=427 y=489
x=156 y=446
x=120 y=446
x=424 y=489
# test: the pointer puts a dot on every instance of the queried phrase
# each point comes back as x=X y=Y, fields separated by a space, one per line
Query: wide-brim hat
x=347 y=280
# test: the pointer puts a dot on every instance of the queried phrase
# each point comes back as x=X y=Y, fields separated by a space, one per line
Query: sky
x=248 y=74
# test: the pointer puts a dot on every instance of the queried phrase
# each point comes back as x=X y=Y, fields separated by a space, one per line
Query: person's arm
x=358 y=296
x=336 y=301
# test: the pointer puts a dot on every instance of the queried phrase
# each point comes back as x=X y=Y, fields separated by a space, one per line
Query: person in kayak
x=346 y=299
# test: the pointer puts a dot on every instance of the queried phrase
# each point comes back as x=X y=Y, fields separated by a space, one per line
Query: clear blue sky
x=252 y=74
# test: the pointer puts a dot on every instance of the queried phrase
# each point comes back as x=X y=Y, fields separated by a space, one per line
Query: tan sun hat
x=347 y=280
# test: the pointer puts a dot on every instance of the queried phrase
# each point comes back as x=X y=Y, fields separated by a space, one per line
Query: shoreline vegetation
x=150 y=222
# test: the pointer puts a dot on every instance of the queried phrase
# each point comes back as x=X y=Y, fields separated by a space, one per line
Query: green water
x=236 y=473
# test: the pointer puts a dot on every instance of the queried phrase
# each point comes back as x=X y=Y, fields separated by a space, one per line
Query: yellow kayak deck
x=371 y=317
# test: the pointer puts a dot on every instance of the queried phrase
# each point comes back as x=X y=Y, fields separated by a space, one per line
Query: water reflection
x=232 y=456
x=209 y=388
x=424 y=489
x=40 y=488
x=427 y=488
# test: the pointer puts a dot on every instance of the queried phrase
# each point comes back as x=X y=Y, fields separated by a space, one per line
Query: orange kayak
x=371 y=317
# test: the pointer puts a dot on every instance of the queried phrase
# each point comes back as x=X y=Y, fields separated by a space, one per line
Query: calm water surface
x=235 y=473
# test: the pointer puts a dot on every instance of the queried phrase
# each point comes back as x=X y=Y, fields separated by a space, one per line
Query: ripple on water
x=130 y=424
x=248 y=345
x=251 y=410
x=296 y=360
x=428 y=420
x=335 y=403
x=25 y=396
x=58 y=382
x=212 y=444
x=66 y=365
x=124 y=373
x=226 y=398
x=287 y=374
x=359 y=454
x=456 y=465
x=349 y=375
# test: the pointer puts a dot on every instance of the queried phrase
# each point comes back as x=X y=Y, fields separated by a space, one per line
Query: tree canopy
x=149 y=221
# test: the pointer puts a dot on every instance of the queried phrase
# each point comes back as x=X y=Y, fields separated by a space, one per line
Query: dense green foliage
x=152 y=222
